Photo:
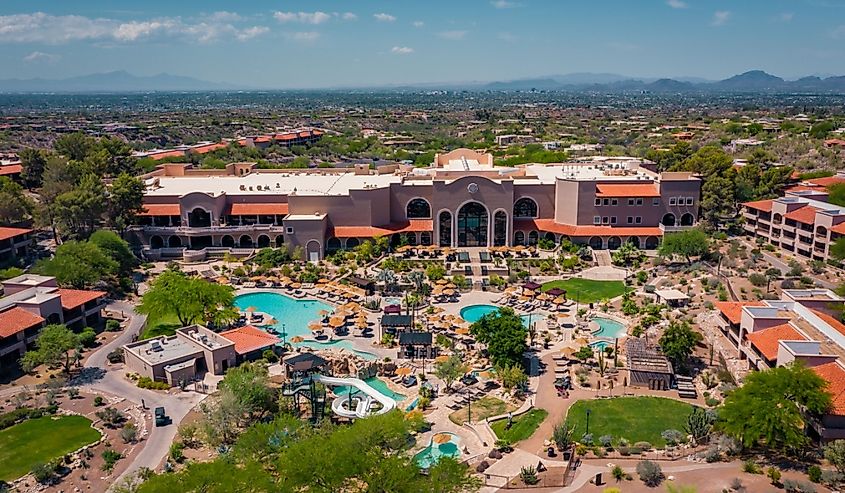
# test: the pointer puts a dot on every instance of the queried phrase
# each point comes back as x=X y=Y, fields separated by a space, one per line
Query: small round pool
x=429 y=456
x=600 y=345
x=609 y=329
x=473 y=313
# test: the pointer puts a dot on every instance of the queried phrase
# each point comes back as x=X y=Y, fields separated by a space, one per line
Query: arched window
x=445 y=223
x=821 y=231
x=687 y=219
x=245 y=241
x=174 y=242
x=156 y=242
x=280 y=240
x=777 y=218
x=634 y=240
x=519 y=238
x=411 y=239
x=472 y=225
x=614 y=242
x=263 y=241
x=418 y=209
x=651 y=243
x=199 y=218
x=425 y=238
x=549 y=237
x=500 y=228
x=227 y=241
x=596 y=243
x=352 y=243
x=668 y=219
x=333 y=244
x=525 y=207
x=533 y=237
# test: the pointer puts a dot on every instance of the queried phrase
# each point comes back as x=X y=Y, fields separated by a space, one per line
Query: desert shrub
x=528 y=475
x=814 y=473
x=672 y=437
x=751 y=467
x=149 y=383
x=643 y=446
x=650 y=472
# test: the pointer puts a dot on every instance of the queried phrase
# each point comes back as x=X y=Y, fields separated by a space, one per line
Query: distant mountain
x=669 y=85
x=118 y=81
x=754 y=80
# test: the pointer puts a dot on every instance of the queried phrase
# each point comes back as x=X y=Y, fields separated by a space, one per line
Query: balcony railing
x=674 y=229
x=188 y=230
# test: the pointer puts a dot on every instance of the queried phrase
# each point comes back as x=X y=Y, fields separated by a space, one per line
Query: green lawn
x=634 y=418
x=41 y=440
x=481 y=409
x=522 y=427
x=155 y=327
x=587 y=290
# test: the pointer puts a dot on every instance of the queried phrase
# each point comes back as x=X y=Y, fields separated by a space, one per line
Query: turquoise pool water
x=473 y=313
x=294 y=315
x=609 y=329
x=429 y=456
x=375 y=383
x=600 y=345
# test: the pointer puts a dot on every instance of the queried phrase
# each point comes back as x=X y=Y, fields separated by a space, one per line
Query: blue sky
x=286 y=43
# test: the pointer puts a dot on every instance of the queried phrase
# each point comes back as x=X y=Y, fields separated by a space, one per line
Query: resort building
x=15 y=243
x=30 y=302
x=801 y=222
x=801 y=326
x=195 y=350
x=460 y=200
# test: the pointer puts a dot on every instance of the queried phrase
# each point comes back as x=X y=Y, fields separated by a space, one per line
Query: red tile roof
x=585 y=230
x=806 y=215
x=7 y=233
x=838 y=228
x=258 y=208
x=71 y=298
x=161 y=210
x=205 y=148
x=248 y=339
x=760 y=205
x=285 y=137
x=732 y=310
x=626 y=190
x=17 y=320
x=766 y=340
x=11 y=169
x=410 y=226
x=834 y=374
x=826 y=181
x=166 y=154
x=832 y=321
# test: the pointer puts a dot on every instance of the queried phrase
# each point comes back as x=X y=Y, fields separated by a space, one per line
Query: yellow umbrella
x=315 y=325
x=451 y=285
x=404 y=371
x=441 y=282
x=222 y=280
x=336 y=322
x=462 y=330
x=323 y=281
x=323 y=313
x=441 y=359
x=543 y=297
x=559 y=300
x=251 y=309
x=437 y=309
x=361 y=324
x=442 y=438
x=449 y=292
x=296 y=285
x=296 y=339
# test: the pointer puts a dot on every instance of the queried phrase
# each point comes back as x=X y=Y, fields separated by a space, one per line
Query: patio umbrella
x=581 y=341
x=323 y=281
x=296 y=285
x=451 y=285
x=436 y=310
x=296 y=339
x=449 y=292
x=442 y=438
x=559 y=300
x=337 y=321
x=361 y=324
x=222 y=280
x=462 y=331
x=441 y=282
x=567 y=351
x=315 y=325
x=272 y=321
x=441 y=359
x=251 y=309
x=543 y=297
x=323 y=313
x=519 y=248
x=404 y=371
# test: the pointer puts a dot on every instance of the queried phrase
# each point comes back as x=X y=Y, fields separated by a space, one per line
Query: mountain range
x=752 y=81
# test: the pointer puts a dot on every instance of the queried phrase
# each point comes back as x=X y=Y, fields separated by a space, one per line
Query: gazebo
x=392 y=324
x=531 y=286
x=367 y=285
x=556 y=292
x=413 y=345
x=303 y=364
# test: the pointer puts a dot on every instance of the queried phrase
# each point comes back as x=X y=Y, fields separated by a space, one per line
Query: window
x=289 y=230
x=418 y=209
x=598 y=202
x=689 y=200
x=605 y=220
x=605 y=202
x=614 y=201
x=673 y=201
x=613 y=220
x=596 y=219
x=525 y=207
x=639 y=220
x=640 y=201
x=630 y=201
x=630 y=220
x=655 y=201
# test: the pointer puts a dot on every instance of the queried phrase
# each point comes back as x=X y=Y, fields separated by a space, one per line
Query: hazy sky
x=286 y=43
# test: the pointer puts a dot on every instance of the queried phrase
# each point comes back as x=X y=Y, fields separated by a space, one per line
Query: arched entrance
x=533 y=238
x=651 y=243
x=668 y=219
x=156 y=242
x=245 y=241
x=596 y=243
x=634 y=240
x=227 y=241
x=312 y=251
x=411 y=239
x=519 y=238
x=687 y=219
x=472 y=225
x=263 y=241
x=425 y=238
x=280 y=241
x=500 y=228
x=614 y=242
x=199 y=218
x=174 y=242
x=445 y=228
x=332 y=245
x=549 y=237
x=352 y=243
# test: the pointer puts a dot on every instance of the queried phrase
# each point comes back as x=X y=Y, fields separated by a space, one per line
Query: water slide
x=361 y=403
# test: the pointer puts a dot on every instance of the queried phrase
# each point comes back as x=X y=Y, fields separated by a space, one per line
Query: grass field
x=634 y=418
x=160 y=326
x=587 y=290
x=41 y=440
x=522 y=427
x=481 y=409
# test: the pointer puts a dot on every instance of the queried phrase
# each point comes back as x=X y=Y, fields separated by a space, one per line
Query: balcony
x=191 y=231
x=674 y=229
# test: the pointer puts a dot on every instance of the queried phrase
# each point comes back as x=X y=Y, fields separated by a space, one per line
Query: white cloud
x=40 y=56
x=49 y=29
x=503 y=4
x=506 y=36
x=224 y=16
x=452 y=35
x=418 y=24
x=402 y=50
x=349 y=16
x=720 y=18
x=786 y=17
x=677 y=4
x=303 y=36
x=382 y=17
x=303 y=17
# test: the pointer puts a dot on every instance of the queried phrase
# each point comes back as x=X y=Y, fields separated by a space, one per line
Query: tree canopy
x=504 y=334
x=768 y=408
x=190 y=299
x=686 y=244
x=678 y=342
x=52 y=347
x=79 y=264
x=451 y=369
x=15 y=205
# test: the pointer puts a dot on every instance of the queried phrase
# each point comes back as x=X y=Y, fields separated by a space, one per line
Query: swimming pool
x=375 y=383
x=609 y=329
x=294 y=315
x=429 y=456
x=473 y=313
x=600 y=345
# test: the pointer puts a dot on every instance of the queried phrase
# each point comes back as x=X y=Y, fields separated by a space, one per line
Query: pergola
x=414 y=345
x=391 y=324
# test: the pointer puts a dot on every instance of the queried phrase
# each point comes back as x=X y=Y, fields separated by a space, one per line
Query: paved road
x=157 y=443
